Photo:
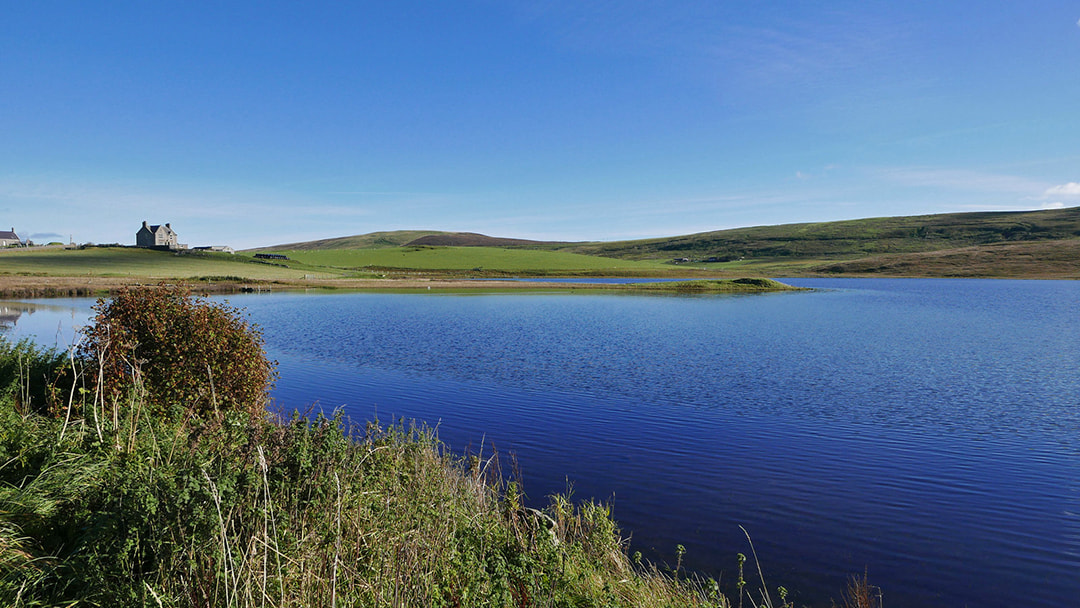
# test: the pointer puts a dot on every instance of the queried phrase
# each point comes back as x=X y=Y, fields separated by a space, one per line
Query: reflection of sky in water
x=51 y=322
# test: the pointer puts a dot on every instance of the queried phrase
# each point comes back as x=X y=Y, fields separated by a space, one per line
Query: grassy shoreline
x=47 y=287
x=105 y=270
x=119 y=504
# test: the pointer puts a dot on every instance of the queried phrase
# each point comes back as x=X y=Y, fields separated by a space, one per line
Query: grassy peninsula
x=743 y=285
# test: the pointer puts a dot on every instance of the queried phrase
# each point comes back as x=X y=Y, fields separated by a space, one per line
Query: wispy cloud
x=379 y=193
x=42 y=236
x=963 y=179
x=710 y=41
x=1069 y=189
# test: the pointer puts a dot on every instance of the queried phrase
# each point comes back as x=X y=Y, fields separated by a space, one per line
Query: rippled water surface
x=925 y=430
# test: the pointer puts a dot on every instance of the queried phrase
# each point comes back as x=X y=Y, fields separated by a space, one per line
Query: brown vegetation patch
x=471 y=239
x=1030 y=260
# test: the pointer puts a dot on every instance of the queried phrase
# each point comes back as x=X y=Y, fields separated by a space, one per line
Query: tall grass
x=123 y=506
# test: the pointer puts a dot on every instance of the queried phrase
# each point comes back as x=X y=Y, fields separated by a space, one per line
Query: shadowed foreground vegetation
x=129 y=509
x=131 y=498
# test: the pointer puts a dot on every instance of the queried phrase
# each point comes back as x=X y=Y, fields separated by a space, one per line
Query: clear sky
x=257 y=123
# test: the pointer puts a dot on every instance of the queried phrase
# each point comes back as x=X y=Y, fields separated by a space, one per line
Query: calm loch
x=927 y=431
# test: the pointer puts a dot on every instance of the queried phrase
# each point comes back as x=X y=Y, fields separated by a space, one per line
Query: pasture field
x=125 y=262
x=45 y=272
x=487 y=259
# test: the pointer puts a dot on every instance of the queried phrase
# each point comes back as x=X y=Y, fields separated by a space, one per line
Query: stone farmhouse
x=157 y=236
x=9 y=238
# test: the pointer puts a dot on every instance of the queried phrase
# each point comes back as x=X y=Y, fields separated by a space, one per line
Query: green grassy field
x=1033 y=244
x=449 y=262
x=144 y=263
x=489 y=259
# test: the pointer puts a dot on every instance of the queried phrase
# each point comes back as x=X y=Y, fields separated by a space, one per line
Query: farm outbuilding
x=8 y=238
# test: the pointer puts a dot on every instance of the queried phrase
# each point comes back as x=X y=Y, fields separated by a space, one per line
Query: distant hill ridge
x=472 y=239
x=844 y=239
x=372 y=240
x=873 y=236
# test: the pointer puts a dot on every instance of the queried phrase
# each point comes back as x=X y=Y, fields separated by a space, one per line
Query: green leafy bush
x=188 y=354
x=29 y=374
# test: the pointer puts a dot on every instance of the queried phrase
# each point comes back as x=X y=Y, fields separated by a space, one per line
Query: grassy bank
x=112 y=503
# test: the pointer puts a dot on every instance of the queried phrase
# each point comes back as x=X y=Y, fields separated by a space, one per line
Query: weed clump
x=187 y=354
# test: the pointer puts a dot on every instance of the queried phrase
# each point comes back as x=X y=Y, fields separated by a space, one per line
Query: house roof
x=154 y=229
x=9 y=235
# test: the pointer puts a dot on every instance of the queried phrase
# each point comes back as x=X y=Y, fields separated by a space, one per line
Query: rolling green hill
x=990 y=244
x=373 y=240
x=852 y=238
x=1029 y=244
x=841 y=239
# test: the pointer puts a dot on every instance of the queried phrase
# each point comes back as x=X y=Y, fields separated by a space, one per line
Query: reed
x=143 y=510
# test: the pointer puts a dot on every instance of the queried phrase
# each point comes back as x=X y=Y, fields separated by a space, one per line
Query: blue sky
x=257 y=123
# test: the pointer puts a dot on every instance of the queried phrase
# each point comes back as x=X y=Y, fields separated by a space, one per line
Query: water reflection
x=10 y=313
x=54 y=322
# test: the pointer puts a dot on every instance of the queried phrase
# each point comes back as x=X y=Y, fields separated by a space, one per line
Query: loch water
x=926 y=432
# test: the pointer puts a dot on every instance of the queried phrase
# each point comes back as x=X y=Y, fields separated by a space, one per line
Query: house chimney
x=144 y=224
x=168 y=225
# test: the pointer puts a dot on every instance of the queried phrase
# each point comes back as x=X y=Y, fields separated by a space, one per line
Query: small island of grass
x=742 y=285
